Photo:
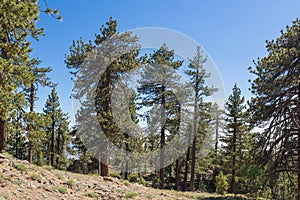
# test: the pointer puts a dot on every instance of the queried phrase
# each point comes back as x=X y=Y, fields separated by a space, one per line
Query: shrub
x=142 y=181
x=114 y=175
x=133 y=178
x=71 y=183
x=91 y=195
x=126 y=183
x=21 y=167
x=221 y=183
x=62 y=190
x=35 y=177
x=130 y=195
x=47 y=167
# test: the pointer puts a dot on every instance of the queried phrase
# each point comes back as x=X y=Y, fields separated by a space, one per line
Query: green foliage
x=35 y=177
x=275 y=107
x=133 y=177
x=91 y=195
x=221 y=183
x=47 y=167
x=58 y=134
x=130 y=195
x=62 y=190
x=71 y=183
x=21 y=167
x=122 y=62
x=236 y=141
x=114 y=174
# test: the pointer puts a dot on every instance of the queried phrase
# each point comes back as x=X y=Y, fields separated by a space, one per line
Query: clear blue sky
x=232 y=32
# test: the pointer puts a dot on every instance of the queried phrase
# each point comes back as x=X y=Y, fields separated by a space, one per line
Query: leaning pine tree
x=276 y=104
x=113 y=54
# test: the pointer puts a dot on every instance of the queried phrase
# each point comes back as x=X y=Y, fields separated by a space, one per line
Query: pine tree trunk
x=217 y=132
x=58 y=147
x=104 y=164
x=186 y=170
x=3 y=135
x=195 y=122
x=192 y=182
x=177 y=175
x=233 y=172
x=52 y=143
x=162 y=140
x=32 y=89
x=127 y=161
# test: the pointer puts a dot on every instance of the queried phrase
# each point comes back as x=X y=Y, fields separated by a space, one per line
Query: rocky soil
x=20 y=180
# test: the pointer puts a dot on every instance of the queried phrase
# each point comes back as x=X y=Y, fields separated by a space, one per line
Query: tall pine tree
x=235 y=134
x=276 y=105
x=159 y=78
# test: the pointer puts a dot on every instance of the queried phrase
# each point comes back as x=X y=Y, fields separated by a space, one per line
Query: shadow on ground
x=222 y=198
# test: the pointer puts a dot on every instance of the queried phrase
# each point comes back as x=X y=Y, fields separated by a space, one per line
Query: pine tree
x=35 y=121
x=276 y=105
x=58 y=134
x=158 y=79
x=235 y=134
x=198 y=76
x=121 y=63
x=14 y=56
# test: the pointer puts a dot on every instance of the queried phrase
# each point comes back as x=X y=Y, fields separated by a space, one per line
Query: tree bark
x=3 y=135
x=104 y=164
x=233 y=171
x=177 y=175
x=217 y=132
x=192 y=182
x=32 y=90
x=127 y=161
x=187 y=162
x=52 y=142
x=162 y=140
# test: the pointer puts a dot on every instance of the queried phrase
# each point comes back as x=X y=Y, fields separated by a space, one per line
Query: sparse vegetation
x=71 y=183
x=130 y=195
x=21 y=167
x=35 y=177
x=92 y=195
x=62 y=190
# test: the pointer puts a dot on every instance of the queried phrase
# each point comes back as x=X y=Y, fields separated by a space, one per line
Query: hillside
x=21 y=180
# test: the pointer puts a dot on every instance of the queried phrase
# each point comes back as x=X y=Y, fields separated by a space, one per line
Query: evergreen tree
x=58 y=135
x=121 y=63
x=276 y=105
x=158 y=79
x=234 y=139
x=35 y=121
x=14 y=56
x=198 y=76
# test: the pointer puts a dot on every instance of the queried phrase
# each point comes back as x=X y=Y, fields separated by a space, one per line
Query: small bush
x=130 y=195
x=62 y=190
x=221 y=183
x=91 y=195
x=35 y=177
x=126 y=183
x=142 y=181
x=59 y=176
x=114 y=175
x=71 y=183
x=133 y=178
x=21 y=167
x=47 y=167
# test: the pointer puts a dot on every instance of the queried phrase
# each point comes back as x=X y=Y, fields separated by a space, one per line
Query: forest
x=248 y=147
